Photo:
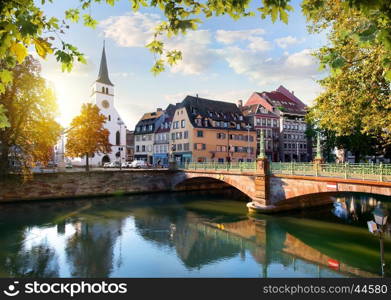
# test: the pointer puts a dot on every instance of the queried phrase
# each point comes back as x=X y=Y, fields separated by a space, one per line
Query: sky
x=223 y=60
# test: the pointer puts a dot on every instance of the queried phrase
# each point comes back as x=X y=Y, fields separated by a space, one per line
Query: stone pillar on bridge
x=262 y=175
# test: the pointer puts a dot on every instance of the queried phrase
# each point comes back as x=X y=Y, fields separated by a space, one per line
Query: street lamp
x=120 y=123
x=380 y=214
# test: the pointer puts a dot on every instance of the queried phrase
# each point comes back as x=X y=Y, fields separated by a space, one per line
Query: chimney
x=240 y=103
x=159 y=109
x=293 y=92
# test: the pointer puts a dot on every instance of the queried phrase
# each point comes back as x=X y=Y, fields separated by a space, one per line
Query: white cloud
x=232 y=36
x=302 y=59
x=136 y=30
x=298 y=69
x=287 y=41
x=197 y=56
x=131 y=30
x=224 y=95
x=122 y=74
x=259 y=44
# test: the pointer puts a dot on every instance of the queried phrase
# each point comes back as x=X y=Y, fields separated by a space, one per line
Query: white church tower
x=102 y=94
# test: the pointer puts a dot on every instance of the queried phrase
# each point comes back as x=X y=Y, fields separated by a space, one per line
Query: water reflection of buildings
x=202 y=243
x=354 y=207
x=199 y=237
x=90 y=250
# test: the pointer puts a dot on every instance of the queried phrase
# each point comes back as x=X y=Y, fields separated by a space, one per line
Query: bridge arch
x=204 y=181
x=288 y=189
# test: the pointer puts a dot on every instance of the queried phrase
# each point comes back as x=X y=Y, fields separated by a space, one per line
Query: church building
x=102 y=94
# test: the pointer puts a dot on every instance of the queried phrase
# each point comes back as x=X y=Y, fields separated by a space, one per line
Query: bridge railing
x=216 y=166
x=377 y=172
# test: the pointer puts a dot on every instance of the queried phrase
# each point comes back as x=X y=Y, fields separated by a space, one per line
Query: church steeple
x=103 y=76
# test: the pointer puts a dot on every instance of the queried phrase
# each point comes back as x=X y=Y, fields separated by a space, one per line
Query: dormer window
x=206 y=123
x=193 y=110
x=241 y=118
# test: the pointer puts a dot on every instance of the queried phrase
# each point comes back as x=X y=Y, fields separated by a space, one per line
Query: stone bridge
x=272 y=192
x=269 y=188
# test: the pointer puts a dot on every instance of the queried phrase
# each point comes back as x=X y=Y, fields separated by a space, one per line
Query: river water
x=188 y=235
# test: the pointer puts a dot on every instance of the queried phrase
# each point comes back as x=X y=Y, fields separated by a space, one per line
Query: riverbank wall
x=44 y=186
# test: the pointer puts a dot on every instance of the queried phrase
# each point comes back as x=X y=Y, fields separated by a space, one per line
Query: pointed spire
x=103 y=76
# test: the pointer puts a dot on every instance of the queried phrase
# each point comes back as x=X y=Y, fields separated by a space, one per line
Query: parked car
x=51 y=165
x=68 y=165
x=106 y=165
x=138 y=164
x=115 y=164
x=125 y=164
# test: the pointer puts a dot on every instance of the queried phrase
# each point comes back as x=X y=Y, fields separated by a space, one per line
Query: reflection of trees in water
x=193 y=247
x=39 y=261
x=90 y=249
x=196 y=248
x=355 y=208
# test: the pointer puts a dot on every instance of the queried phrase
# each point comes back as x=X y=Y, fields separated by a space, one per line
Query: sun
x=68 y=100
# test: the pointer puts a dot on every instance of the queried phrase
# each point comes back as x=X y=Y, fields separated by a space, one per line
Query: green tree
x=87 y=134
x=357 y=98
x=30 y=107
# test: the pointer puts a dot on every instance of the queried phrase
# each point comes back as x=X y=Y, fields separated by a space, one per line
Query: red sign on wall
x=332 y=186
x=334 y=264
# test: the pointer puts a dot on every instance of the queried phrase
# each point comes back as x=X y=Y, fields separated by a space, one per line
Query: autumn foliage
x=87 y=134
x=30 y=107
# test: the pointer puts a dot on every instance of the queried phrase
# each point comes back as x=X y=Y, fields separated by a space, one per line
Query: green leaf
x=42 y=47
x=3 y=118
x=173 y=57
x=72 y=15
x=387 y=75
x=89 y=21
x=155 y=46
x=283 y=16
x=337 y=63
x=158 y=67
x=19 y=50
x=5 y=76
x=274 y=13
